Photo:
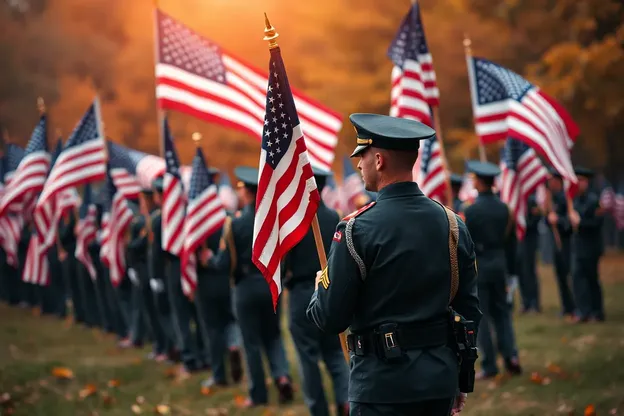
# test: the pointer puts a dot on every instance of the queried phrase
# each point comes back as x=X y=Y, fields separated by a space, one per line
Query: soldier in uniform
x=456 y=184
x=259 y=323
x=312 y=344
x=399 y=314
x=67 y=239
x=157 y=273
x=587 y=249
x=529 y=284
x=491 y=225
x=561 y=231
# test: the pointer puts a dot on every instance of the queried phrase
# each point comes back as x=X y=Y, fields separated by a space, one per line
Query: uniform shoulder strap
x=453 y=243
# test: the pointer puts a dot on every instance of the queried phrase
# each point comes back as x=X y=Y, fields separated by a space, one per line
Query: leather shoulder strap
x=453 y=243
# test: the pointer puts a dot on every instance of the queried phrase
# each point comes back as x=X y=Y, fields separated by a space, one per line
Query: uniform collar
x=399 y=189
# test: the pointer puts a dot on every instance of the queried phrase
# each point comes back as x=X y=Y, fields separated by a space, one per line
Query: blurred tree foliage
x=334 y=50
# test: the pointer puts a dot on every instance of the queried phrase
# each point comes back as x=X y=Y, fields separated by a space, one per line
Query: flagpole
x=160 y=114
x=271 y=35
x=468 y=52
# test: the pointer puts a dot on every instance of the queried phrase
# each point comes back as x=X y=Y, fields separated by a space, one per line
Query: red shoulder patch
x=359 y=211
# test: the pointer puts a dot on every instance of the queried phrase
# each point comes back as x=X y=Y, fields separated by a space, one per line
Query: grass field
x=569 y=369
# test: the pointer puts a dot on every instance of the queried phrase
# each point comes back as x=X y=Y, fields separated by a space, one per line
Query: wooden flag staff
x=271 y=35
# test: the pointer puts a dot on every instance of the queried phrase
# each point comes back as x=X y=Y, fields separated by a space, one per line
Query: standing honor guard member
x=402 y=275
x=312 y=344
x=491 y=226
x=587 y=250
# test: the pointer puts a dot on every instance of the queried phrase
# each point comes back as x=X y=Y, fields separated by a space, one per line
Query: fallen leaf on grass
x=140 y=399
x=206 y=391
x=62 y=373
x=5 y=399
x=555 y=369
x=136 y=409
x=537 y=378
x=88 y=390
x=222 y=411
x=590 y=410
x=239 y=400
x=113 y=383
x=107 y=399
x=162 y=409
x=171 y=372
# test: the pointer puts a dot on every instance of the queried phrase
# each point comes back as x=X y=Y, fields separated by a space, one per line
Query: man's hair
x=487 y=181
x=402 y=160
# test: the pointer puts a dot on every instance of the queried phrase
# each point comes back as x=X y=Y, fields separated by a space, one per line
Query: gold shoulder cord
x=453 y=243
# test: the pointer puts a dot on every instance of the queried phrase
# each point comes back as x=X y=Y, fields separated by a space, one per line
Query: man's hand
x=575 y=219
x=62 y=254
x=319 y=274
x=460 y=402
x=205 y=255
x=552 y=218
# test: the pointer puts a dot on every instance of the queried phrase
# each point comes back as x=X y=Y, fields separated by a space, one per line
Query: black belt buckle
x=389 y=340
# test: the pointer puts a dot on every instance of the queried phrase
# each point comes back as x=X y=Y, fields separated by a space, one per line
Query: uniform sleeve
x=591 y=217
x=511 y=243
x=333 y=303
x=466 y=301
x=222 y=261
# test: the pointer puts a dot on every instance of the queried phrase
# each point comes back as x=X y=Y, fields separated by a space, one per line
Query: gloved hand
x=157 y=285
x=133 y=276
x=460 y=402
x=512 y=285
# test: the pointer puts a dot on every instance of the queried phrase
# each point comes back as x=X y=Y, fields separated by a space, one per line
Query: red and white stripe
x=240 y=102
x=286 y=202
x=126 y=183
x=517 y=185
x=32 y=172
x=36 y=266
x=10 y=231
x=173 y=205
x=114 y=242
x=86 y=234
x=414 y=90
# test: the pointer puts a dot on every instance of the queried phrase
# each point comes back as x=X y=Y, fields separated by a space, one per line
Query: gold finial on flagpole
x=269 y=33
x=467 y=44
x=41 y=105
x=196 y=138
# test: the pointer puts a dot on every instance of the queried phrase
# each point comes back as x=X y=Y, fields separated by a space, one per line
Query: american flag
x=521 y=173
x=468 y=192
x=432 y=177
x=86 y=232
x=196 y=76
x=83 y=158
x=331 y=195
x=133 y=170
x=287 y=197
x=414 y=86
x=507 y=105
x=32 y=172
x=173 y=203
x=10 y=224
x=228 y=197
x=352 y=186
x=204 y=216
x=115 y=222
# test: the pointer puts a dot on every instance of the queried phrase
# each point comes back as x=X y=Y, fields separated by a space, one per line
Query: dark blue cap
x=583 y=171
x=456 y=179
x=246 y=175
x=386 y=132
x=158 y=184
x=483 y=169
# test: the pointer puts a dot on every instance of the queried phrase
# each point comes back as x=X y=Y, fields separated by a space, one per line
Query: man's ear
x=379 y=161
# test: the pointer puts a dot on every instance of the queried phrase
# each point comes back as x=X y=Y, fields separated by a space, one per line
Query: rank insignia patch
x=337 y=236
x=325 y=279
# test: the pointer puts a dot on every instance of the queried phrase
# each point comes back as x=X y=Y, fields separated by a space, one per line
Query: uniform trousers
x=441 y=407
x=529 y=285
x=562 y=259
x=312 y=346
x=587 y=290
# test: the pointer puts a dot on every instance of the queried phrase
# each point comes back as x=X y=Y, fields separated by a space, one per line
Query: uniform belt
x=408 y=337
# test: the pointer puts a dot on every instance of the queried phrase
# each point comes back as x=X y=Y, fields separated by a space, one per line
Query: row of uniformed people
x=576 y=235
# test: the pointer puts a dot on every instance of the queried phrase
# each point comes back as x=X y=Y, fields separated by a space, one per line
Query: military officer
x=587 y=249
x=158 y=271
x=491 y=225
x=529 y=284
x=259 y=324
x=398 y=313
x=561 y=232
x=312 y=344
x=456 y=184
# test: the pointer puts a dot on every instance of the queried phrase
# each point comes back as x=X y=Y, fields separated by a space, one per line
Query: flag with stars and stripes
x=11 y=224
x=86 y=231
x=287 y=198
x=133 y=170
x=331 y=195
x=431 y=175
x=196 y=76
x=352 y=186
x=507 y=105
x=414 y=86
x=521 y=173
x=116 y=220
x=228 y=197
x=173 y=203
x=204 y=216
x=83 y=158
x=32 y=172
